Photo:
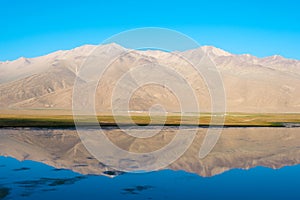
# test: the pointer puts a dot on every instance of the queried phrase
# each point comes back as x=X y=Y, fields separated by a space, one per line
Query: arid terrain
x=251 y=84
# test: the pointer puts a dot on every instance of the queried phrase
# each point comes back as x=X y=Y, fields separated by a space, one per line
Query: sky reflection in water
x=33 y=180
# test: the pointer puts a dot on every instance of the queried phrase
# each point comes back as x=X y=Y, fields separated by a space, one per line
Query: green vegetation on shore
x=142 y=119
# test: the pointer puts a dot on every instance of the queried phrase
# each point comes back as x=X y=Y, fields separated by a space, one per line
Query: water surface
x=246 y=163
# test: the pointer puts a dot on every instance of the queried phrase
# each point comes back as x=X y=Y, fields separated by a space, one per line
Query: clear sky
x=262 y=28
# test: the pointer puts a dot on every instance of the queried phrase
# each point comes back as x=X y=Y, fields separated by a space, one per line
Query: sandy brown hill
x=251 y=84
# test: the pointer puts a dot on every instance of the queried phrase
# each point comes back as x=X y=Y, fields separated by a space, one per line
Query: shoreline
x=45 y=119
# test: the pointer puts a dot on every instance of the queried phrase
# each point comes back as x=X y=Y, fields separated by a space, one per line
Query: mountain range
x=251 y=84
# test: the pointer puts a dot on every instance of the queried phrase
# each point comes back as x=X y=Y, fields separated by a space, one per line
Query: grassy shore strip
x=231 y=120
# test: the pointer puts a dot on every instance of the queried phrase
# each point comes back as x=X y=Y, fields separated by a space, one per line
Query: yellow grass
x=15 y=118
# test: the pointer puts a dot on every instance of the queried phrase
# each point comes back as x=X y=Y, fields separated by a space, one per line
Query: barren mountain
x=251 y=84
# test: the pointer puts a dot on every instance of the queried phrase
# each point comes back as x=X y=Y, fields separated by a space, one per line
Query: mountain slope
x=251 y=84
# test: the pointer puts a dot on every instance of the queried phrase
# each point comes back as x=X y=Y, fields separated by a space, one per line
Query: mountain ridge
x=204 y=48
x=252 y=84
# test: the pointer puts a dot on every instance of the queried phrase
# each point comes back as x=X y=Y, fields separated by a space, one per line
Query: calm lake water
x=246 y=163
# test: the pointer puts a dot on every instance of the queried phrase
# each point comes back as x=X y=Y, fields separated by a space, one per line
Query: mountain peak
x=215 y=51
x=22 y=60
x=274 y=58
x=113 y=46
x=277 y=57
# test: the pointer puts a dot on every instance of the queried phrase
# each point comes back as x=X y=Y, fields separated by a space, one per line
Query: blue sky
x=262 y=28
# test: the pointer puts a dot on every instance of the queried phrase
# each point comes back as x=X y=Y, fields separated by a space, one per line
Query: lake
x=246 y=163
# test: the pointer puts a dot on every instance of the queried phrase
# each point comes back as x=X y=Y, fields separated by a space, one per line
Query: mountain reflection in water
x=241 y=148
